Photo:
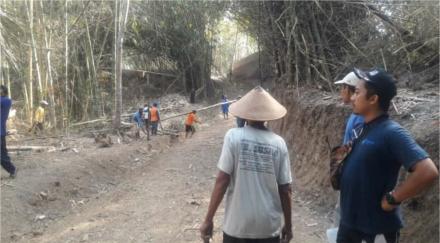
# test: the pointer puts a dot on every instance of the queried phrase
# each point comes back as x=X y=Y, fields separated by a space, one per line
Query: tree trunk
x=321 y=53
x=26 y=99
x=31 y=88
x=274 y=40
x=307 y=71
x=118 y=89
x=66 y=68
x=48 y=44
x=30 y=13
x=118 y=60
x=292 y=57
x=9 y=82
x=233 y=55
x=1 y=61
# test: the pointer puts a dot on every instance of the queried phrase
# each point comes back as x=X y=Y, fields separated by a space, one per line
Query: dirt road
x=162 y=199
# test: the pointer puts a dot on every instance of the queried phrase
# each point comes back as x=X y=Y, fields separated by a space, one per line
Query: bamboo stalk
x=118 y=91
x=2 y=82
x=9 y=82
x=66 y=68
x=30 y=95
x=49 y=69
x=30 y=13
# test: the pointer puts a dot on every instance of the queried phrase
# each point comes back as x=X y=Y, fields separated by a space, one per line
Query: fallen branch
x=6 y=184
x=36 y=138
x=164 y=132
x=31 y=148
x=126 y=124
x=414 y=98
x=90 y=122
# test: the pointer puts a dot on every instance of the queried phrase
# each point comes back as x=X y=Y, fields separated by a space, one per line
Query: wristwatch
x=391 y=200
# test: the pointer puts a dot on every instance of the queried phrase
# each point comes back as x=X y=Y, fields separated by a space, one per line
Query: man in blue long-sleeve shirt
x=138 y=118
x=348 y=86
x=5 y=106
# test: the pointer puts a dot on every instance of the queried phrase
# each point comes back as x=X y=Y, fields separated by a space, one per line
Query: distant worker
x=146 y=113
x=189 y=123
x=154 y=119
x=139 y=122
x=225 y=106
x=39 y=116
x=5 y=106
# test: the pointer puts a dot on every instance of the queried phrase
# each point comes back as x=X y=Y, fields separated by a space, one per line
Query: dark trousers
x=347 y=235
x=231 y=239
x=154 y=125
x=147 y=128
x=5 y=159
x=37 y=127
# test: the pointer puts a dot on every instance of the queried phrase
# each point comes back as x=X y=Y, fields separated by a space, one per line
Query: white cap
x=349 y=79
x=43 y=102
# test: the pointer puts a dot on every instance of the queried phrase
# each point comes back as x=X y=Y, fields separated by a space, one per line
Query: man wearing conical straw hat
x=254 y=172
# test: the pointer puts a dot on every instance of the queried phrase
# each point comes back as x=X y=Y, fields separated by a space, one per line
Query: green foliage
x=177 y=31
x=311 y=42
x=231 y=43
x=316 y=42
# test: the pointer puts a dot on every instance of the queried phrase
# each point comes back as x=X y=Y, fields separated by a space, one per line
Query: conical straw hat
x=258 y=105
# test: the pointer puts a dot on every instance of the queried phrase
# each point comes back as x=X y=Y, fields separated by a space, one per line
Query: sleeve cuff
x=409 y=166
x=224 y=170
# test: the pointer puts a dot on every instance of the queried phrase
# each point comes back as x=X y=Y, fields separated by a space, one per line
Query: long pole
x=201 y=109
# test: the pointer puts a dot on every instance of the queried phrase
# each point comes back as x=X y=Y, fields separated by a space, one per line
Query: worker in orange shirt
x=154 y=119
x=189 y=123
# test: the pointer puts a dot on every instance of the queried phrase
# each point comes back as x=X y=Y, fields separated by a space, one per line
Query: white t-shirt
x=258 y=162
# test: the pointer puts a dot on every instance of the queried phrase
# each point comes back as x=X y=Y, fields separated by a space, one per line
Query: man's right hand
x=206 y=230
x=286 y=234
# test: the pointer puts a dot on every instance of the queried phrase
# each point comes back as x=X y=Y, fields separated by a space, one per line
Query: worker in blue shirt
x=138 y=118
x=225 y=107
x=5 y=106
x=348 y=86
x=370 y=197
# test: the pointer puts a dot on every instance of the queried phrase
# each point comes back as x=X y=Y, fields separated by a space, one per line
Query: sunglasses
x=357 y=131
x=361 y=74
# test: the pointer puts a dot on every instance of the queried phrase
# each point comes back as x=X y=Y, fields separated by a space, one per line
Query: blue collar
x=376 y=120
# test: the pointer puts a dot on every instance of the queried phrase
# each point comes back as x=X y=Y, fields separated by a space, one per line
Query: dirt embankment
x=315 y=117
